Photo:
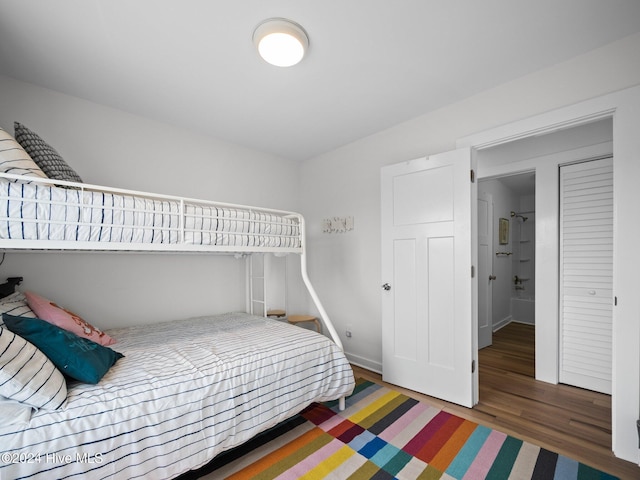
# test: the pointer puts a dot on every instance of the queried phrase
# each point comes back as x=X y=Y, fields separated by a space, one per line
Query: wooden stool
x=276 y=313
x=305 y=318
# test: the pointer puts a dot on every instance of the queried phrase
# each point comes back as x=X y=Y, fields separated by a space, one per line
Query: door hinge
x=473 y=366
x=615 y=301
x=473 y=176
x=473 y=271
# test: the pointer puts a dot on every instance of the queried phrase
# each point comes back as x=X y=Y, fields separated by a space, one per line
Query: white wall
x=110 y=147
x=346 y=268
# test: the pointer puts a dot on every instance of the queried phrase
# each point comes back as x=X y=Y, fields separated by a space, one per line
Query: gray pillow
x=45 y=156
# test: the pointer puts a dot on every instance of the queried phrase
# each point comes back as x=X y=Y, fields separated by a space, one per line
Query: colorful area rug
x=384 y=434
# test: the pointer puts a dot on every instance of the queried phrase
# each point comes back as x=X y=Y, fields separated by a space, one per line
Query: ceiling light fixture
x=280 y=42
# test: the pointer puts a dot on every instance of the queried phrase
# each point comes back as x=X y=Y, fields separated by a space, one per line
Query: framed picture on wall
x=503 y=231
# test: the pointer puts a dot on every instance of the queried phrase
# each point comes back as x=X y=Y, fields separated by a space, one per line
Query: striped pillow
x=27 y=375
x=14 y=159
x=15 y=304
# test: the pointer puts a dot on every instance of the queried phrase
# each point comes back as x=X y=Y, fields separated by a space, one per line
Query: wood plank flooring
x=567 y=420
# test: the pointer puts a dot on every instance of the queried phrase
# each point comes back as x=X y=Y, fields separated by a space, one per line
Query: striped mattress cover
x=36 y=211
x=184 y=392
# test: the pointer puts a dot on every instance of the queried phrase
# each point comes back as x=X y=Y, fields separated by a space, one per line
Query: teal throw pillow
x=76 y=357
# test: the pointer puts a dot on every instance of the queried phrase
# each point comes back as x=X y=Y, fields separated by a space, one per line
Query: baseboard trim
x=363 y=362
x=502 y=323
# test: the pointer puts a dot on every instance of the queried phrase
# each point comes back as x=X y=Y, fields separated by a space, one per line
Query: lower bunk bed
x=176 y=394
x=182 y=393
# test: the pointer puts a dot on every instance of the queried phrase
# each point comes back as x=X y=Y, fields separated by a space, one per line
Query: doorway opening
x=509 y=247
x=506 y=373
x=623 y=105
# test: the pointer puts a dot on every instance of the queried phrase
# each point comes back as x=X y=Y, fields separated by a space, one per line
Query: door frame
x=624 y=108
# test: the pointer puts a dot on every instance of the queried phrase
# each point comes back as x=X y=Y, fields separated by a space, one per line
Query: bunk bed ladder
x=257 y=279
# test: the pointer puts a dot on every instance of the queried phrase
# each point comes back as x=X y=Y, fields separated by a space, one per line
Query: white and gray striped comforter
x=32 y=211
x=184 y=392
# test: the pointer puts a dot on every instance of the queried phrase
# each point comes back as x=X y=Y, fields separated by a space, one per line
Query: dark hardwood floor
x=564 y=419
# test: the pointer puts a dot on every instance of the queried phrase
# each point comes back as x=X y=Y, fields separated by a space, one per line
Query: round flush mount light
x=280 y=42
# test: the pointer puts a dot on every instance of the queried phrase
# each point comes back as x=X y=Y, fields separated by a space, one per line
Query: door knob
x=492 y=277
x=386 y=286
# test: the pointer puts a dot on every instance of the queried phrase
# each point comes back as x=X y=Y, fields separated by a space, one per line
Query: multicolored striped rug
x=384 y=434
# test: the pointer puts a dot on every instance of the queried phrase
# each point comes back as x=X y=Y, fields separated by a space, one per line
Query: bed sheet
x=32 y=211
x=184 y=392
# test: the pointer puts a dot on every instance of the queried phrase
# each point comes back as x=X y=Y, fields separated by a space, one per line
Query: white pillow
x=27 y=375
x=14 y=158
x=14 y=413
x=16 y=305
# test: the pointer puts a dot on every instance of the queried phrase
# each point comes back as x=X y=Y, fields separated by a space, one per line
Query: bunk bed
x=181 y=392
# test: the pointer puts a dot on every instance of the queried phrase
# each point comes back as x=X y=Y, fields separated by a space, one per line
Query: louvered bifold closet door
x=586 y=274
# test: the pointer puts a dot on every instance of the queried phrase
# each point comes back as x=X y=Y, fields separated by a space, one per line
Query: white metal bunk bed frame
x=180 y=246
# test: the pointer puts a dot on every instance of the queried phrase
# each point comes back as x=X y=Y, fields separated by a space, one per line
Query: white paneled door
x=586 y=274
x=485 y=269
x=428 y=325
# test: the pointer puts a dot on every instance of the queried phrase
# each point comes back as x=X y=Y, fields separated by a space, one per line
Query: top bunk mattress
x=183 y=392
x=41 y=215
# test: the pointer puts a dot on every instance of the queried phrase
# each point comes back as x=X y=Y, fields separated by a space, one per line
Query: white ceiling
x=371 y=64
